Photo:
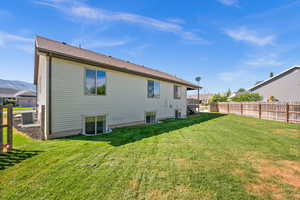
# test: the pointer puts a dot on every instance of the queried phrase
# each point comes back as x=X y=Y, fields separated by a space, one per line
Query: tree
x=218 y=98
x=247 y=97
x=228 y=93
x=271 y=74
x=241 y=90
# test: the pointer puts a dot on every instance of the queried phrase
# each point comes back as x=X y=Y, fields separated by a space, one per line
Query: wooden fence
x=286 y=112
x=8 y=125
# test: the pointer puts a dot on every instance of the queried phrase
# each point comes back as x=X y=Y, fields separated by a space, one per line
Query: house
x=284 y=87
x=26 y=98
x=83 y=92
x=8 y=95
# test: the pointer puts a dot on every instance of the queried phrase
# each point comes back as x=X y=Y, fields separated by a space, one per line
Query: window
x=177 y=93
x=153 y=89
x=95 y=125
x=95 y=82
x=150 y=118
x=177 y=114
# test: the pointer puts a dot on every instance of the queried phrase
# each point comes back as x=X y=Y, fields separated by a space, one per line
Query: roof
x=8 y=92
x=278 y=76
x=25 y=93
x=66 y=51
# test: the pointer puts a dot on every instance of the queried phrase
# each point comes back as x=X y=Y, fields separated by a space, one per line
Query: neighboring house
x=81 y=91
x=26 y=98
x=7 y=94
x=20 y=98
x=284 y=87
x=203 y=98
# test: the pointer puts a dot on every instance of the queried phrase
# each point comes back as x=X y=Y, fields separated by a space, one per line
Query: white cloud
x=88 y=13
x=17 y=41
x=250 y=36
x=264 y=60
x=229 y=2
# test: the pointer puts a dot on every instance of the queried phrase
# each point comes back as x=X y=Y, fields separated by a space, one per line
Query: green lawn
x=22 y=108
x=209 y=156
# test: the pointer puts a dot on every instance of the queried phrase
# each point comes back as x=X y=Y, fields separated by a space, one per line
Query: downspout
x=50 y=94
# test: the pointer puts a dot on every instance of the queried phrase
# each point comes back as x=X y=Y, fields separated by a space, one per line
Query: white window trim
x=180 y=113
x=94 y=115
x=154 y=97
x=156 y=120
x=84 y=82
x=179 y=90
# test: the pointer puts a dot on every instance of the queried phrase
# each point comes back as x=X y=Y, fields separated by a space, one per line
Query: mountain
x=17 y=85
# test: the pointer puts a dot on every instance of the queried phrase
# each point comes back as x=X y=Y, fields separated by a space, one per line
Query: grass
x=22 y=108
x=209 y=156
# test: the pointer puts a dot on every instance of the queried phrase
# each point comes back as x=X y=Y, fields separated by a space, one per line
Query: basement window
x=150 y=117
x=177 y=114
x=95 y=125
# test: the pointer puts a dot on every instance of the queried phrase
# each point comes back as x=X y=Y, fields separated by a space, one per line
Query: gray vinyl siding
x=285 y=89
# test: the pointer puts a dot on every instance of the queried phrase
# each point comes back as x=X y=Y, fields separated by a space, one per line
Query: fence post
x=227 y=107
x=287 y=112
x=10 y=126
x=259 y=111
x=1 y=128
x=241 y=108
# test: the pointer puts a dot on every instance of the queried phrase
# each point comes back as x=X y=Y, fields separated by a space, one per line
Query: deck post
x=10 y=127
x=1 y=130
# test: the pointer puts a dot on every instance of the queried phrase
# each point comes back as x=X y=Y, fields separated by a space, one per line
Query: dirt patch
x=32 y=132
x=264 y=188
x=134 y=184
x=182 y=163
x=288 y=132
x=156 y=194
x=273 y=174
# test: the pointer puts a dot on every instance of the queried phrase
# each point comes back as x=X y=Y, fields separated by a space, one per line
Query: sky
x=228 y=43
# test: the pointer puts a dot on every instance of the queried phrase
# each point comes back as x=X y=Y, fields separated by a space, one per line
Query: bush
x=218 y=98
x=247 y=97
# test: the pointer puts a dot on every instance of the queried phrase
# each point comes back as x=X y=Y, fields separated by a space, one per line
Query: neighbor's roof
x=278 y=76
x=8 y=92
x=65 y=51
x=25 y=93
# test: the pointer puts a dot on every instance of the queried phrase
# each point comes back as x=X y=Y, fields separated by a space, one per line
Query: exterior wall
x=125 y=101
x=26 y=101
x=285 y=89
x=42 y=90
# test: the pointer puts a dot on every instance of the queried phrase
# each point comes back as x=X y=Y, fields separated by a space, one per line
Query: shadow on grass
x=14 y=157
x=125 y=135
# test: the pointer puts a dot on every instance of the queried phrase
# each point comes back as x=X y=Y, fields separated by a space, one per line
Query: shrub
x=218 y=98
x=247 y=97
